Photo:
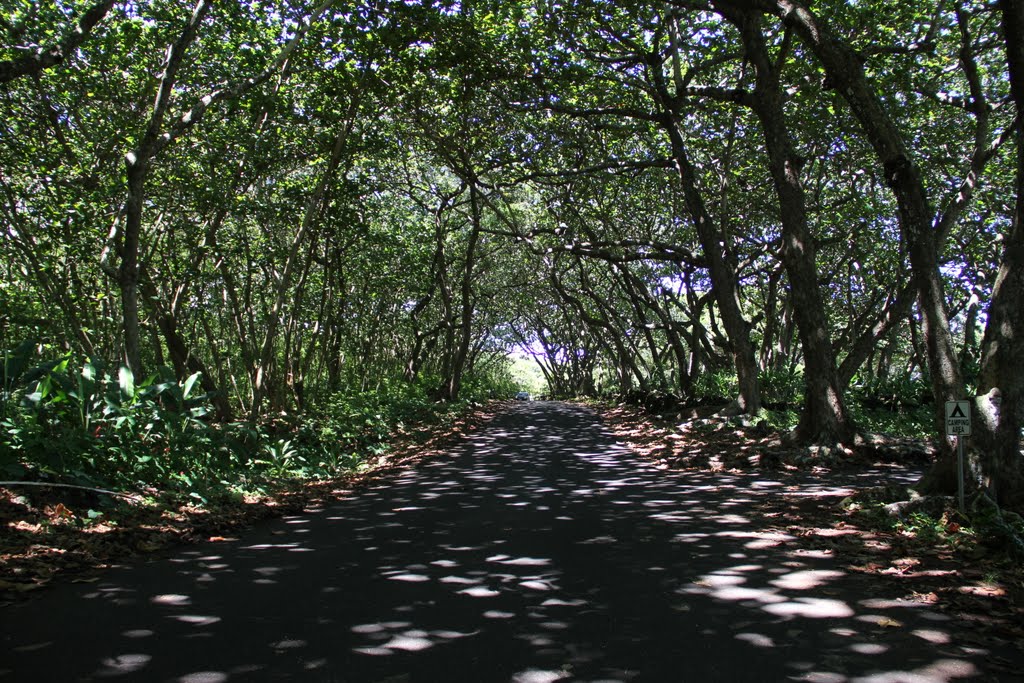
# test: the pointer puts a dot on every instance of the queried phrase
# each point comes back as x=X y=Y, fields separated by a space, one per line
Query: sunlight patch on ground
x=460 y=580
x=598 y=540
x=407 y=577
x=289 y=644
x=811 y=608
x=557 y=602
x=447 y=564
x=732 y=519
x=520 y=561
x=537 y=584
x=125 y=664
x=719 y=580
x=832 y=533
x=761 y=539
x=393 y=641
x=196 y=619
x=869 y=648
x=539 y=676
x=756 y=639
x=740 y=594
x=171 y=599
x=805 y=580
x=138 y=633
x=380 y=627
x=408 y=643
x=820 y=492
x=933 y=636
x=294 y=547
x=204 y=677
x=940 y=671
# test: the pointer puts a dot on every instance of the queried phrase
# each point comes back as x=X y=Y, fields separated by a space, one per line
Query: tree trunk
x=846 y=73
x=128 y=273
x=824 y=419
x=264 y=360
x=453 y=383
x=893 y=313
x=184 y=361
x=715 y=245
x=724 y=282
x=1000 y=401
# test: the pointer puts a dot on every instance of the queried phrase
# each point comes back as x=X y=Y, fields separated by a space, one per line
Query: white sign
x=958 y=418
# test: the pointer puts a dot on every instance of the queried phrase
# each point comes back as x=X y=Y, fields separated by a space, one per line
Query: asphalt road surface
x=538 y=550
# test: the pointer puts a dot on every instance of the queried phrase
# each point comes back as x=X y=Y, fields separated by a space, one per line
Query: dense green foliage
x=95 y=425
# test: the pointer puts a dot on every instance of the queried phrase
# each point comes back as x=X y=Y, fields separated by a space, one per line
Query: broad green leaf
x=186 y=389
x=126 y=380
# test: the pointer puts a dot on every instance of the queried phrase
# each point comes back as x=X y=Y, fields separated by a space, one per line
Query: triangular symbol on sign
x=957 y=411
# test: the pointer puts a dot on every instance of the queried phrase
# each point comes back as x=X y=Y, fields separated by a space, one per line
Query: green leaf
x=189 y=383
x=126 y=380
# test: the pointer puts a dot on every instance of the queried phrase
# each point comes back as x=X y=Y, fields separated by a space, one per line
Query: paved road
x=539 y=550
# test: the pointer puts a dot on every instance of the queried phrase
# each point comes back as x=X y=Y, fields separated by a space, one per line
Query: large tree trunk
x=715 y=245
x=128 y=272
x=824 y=419
x=846 y=73
x=1000 y=401
x=1001 y=384
x=137 y=166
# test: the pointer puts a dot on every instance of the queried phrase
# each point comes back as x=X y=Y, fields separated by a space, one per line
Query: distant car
x=523 y=396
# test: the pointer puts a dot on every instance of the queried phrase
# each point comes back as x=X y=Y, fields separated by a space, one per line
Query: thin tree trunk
x=184 y=361
x=284 y=285
x=723 y=278
x=453 y=385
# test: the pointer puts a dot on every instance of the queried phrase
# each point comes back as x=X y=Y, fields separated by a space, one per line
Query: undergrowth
x=86 y=423
x=936 y=521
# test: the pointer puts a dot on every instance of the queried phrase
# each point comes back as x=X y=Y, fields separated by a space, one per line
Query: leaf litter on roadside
x=983 y=590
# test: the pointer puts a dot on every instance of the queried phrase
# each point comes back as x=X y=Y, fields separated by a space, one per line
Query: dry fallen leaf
x=889 y=623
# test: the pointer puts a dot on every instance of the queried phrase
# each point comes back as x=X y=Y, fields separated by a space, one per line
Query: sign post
x=958 y=424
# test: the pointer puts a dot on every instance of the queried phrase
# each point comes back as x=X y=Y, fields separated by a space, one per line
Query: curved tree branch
x=44 y=58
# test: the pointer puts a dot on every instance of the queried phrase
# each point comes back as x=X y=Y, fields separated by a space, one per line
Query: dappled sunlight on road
x=538 y=551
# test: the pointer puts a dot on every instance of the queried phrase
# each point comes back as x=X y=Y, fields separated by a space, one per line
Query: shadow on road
x=537 y=551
